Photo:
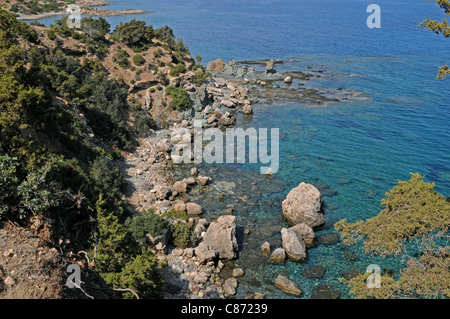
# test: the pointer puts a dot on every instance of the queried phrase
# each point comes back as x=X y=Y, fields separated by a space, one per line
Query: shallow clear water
x=359 y=149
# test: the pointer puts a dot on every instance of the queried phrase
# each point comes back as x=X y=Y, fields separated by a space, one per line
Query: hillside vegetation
x=70 y=101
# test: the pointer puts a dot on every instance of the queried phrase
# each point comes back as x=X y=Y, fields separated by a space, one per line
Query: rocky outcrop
x=219 y=241
x=303 y=204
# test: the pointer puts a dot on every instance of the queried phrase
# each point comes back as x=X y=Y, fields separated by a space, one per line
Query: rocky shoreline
x=86 y=9
x=152 y=172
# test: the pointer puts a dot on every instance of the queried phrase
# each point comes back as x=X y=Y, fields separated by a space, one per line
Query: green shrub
x=122 y=53
x=182 y=235
x=138 y=60
x=177 y=214
x=180 y=99
x=107 y=181
x=25 y=192
x=51 y=34
x=141 y=274
x=179 y=68
x=158 y=53
x=148 y=223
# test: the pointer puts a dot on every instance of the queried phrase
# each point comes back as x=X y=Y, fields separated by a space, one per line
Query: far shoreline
x=86 y=10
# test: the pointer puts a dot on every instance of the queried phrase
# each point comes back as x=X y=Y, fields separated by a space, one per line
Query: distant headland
x=31 y=10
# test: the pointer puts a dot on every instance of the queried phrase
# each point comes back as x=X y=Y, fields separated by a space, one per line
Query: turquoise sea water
x=359 y=149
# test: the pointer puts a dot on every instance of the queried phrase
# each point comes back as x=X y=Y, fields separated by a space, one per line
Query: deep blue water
x=360 y=149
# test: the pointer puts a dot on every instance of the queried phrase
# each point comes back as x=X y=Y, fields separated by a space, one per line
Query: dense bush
x=182 y=235
x=25 y=192
x=138 y=60
x=178 y=69
x=147 y=223
x=135 y=34
x=180 y=99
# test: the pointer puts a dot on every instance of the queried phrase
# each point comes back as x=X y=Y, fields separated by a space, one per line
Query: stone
x=180 y=206
x=188 y=252
x=232 y=282
x=238 y=272
x=303 y=204
x=219 y=81
x=265 y=249
x=190 y=181
x=324 y=292
x=348 y=253
x=294 y=247
x=229 y=211
x=278 y=256
x=9 y=281
x=247 y=109
x=228 y=103
x=304 y=232
x=204 y=253
x=211 y=119
x=161 y=191
x=193 y=209
x=226 y=119
x=179 y=187
x=201 y=226
x=288 y=79
x=163 y=146
x=349 y=274
x=203 y=180
x=314 y=272
x=194 y=171
x=328 y=239
x=228 y=289
x=270 y=66
x=287 y=285
x=220 y=238
x=259 y=295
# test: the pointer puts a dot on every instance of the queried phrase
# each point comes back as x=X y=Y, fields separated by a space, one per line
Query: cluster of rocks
x=302 y=208
x=198 y=268
x=194 y=272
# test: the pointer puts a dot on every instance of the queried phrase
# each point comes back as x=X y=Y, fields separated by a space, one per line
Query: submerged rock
x=314 y=272
x=328 y=239
x=278 y=256
x=265 y=249
x=325 y=292
x=287 y=285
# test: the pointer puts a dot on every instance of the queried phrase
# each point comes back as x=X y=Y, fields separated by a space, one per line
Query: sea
x=353 y=151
